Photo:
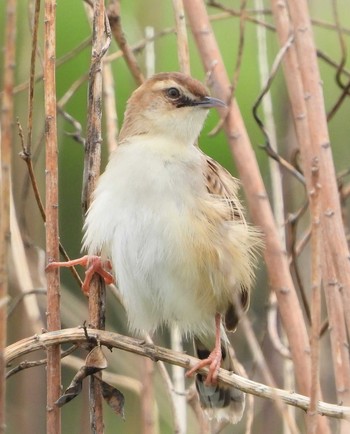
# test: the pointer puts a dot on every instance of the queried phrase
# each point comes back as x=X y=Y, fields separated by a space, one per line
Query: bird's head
x=172 y=104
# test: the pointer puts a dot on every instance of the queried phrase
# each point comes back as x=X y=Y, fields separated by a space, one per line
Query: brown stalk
x=97 y=294
x=275 y=258
x=114 y=340
x=316 y=277
x=113 y=13
x=6 y=119
x=331 y=218
x=302 y=79
x=53 y=422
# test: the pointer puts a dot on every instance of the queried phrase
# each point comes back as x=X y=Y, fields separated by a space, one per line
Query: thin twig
x=27 y=157
x=137 y=346
x=339 y=102
x=32 y=75
x=342 y=45
x=77 y=135
x=237 y=69
x=237 y=13
x=113 y=13
x=61 y=61
x=272 y=327
x=32 y=364
x=71 y=90
x=21 y=271
x=20 y=297
x=269 y=149
x=293 y=225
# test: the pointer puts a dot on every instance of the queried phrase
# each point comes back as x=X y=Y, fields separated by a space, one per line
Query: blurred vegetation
x=26 y=407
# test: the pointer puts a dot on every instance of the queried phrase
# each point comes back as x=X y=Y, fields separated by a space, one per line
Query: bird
x=167 y=224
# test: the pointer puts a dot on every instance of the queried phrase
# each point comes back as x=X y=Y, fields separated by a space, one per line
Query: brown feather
x=221 y=183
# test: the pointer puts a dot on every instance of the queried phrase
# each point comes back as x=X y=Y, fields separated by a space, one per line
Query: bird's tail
x=219 y=402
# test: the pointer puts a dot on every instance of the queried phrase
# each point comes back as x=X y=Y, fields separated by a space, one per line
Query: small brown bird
x=168 y=219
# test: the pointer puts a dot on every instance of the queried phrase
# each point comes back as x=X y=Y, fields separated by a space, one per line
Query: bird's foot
x=93 y=264
x=214 y=363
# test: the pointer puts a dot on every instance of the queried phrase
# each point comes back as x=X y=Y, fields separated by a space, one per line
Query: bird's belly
x=156 y=264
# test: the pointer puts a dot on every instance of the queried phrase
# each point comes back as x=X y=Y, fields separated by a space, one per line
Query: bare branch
x=6 y=119
x=32 y=76
x=101 y=39
x=27 y=157
x=113 y=13
x=182 y=40
x=53 y=425
x=137 y=346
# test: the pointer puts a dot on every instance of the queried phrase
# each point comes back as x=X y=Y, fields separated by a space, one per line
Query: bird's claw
x=214 y=363
x=93 y=264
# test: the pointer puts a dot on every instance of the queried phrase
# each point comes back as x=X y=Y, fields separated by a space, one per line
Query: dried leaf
x=114 y=398
x=95 y=361
x=73 y=389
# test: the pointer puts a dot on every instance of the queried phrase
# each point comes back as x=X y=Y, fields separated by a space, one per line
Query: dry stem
x=6 y=135
x=52 y=244
x=97 y=295
x=182 y=40
x=303 y=84
x=320 y=148
x=115 y=23
x=140 y=347
x=276 y=261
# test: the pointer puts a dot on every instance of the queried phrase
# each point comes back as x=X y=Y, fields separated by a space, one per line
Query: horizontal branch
x=113 y=340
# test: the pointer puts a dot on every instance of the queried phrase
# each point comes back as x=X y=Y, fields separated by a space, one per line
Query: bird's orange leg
x=214 y=358
x=93 y=264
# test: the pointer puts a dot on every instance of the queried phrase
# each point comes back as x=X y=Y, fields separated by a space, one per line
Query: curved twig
x=140 y=347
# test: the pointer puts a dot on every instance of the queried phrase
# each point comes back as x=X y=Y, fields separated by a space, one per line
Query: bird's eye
x=173 y=92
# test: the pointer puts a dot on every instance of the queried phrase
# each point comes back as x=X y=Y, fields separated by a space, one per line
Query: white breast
x=142 y=217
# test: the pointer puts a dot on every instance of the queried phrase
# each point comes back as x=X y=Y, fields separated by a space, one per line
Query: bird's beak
x=208 y=102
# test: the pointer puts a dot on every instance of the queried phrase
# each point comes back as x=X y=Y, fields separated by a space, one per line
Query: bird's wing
x=221 y=184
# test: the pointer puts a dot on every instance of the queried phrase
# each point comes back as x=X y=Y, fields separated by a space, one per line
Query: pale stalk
x=276 y=181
